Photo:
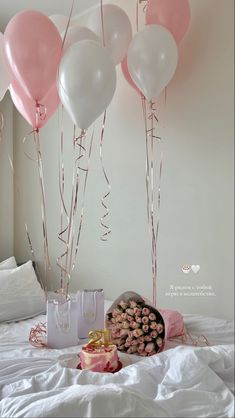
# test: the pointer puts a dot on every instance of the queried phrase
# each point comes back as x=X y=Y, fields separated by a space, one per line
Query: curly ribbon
x=1 y=126
x=43 y=203
x=192 y=340
x=104 y=236
x=70 y=261
x=69 y=228
x=37 y=336
x=145 y=5
x=150 y=138
x=63 y=209
x=83 y=200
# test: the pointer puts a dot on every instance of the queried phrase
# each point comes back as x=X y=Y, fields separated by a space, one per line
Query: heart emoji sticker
x=195 y=268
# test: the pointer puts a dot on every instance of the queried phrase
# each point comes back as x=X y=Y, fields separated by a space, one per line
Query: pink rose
x=153 y=325
x=143 y=354
x=129 y=318
x=154 y=334
x=119 y=318
x=130 y=311
x=137 y=332
x=145 y=311
x=125 y=325
x=149 y=347
x=124 y=316
x=114 y=312
x=145 y=328
x=118 y=341
x=124 y=332
x=145 y=320
x=152 y=317
x=134 y=342
x=133 y=324
x=159 y=341
x=131 y=350
x=159 y=328
x=138 y=319
x=133 y=304
x=148 y=338
x=141 y=347
x=123 y=304
x=141 y=339
x=130 y=334
x=137 y=311
x=119 y=310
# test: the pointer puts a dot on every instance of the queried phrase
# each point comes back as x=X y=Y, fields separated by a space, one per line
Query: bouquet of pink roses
x=136 y=327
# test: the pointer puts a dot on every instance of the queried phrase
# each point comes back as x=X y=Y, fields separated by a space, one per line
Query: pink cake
x=99 y=359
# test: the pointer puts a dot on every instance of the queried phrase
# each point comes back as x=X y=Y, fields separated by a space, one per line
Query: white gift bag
x=62 y=320
x=90 y=311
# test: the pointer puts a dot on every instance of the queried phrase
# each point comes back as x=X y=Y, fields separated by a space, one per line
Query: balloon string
x=108 y=231
x=27 y=230
x=82 y=152
x=150 y=138
x=83 y=201
x=43 y=204
x=143 y=100
x=102 y=21
x=1 y=126
x=137 y=15
x=67 y=27
x=63 y=209
x=68 y=229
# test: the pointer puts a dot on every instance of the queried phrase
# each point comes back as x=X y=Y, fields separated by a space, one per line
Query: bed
x=182 y=381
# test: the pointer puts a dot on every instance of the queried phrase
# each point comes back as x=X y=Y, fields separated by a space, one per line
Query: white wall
x=197 y=190
x=6 y=181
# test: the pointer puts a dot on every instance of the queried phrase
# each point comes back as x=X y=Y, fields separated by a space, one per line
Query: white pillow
x=21 y=295
x=10 y=263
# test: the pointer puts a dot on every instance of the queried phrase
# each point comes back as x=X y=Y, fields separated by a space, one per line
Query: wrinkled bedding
x=182 y=381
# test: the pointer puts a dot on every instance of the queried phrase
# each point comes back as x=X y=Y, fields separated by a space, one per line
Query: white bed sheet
x=182 y=381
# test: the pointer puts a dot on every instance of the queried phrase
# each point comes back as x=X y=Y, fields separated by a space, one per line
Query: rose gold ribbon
x=150 y=139
x=67 y=27
x=1 y=126
x=102 y=22
x=104 y=236
x=83 y=200
x=63 y=209
x=27 y=231
x=37 y=336
x=43 y=205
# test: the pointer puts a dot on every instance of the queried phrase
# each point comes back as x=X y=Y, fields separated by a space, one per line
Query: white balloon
x=60 y=21
x=152 y=60
x=86 y=82
x=76 y=34
x=117 y=30
x=4 y=70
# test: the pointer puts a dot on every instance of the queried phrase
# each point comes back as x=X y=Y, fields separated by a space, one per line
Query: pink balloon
x=174 y=15
x=33 y=48
x=128 y=76
x=27 y=106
